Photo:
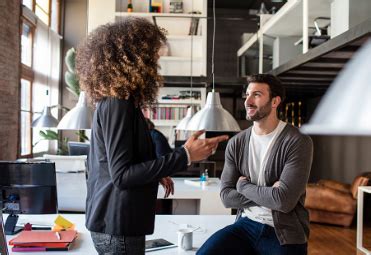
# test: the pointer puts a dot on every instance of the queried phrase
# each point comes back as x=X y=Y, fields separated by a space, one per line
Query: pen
x=58 y=235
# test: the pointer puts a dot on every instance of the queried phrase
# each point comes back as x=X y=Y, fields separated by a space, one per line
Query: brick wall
x=9 y=78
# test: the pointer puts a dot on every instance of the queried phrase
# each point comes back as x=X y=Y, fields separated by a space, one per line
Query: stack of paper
x=43 y=241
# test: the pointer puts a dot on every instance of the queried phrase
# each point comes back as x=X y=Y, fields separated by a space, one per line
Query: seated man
x=265 y=174
x=160 y=142
x=162 y=148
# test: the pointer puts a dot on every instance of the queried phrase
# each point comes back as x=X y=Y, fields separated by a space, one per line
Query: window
x=26 y=117
x=42 y=11
x=26 y=44
x=40 y=58
x=28 y=4
x=27 y=76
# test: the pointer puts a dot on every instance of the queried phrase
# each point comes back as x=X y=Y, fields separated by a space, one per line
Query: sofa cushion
x=327 y=199
x=335 y=185
x=341 y=219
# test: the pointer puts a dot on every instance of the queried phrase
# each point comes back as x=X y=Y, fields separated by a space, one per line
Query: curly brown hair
x=120 y=60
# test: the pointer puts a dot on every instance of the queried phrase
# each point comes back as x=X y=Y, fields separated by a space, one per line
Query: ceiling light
x=346 y=107
x=78 y=118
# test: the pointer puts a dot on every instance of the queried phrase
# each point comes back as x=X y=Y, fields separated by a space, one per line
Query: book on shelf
x=155 y=6
x=194 y=26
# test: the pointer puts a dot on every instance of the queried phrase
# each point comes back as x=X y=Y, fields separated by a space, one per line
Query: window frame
x=26 y=74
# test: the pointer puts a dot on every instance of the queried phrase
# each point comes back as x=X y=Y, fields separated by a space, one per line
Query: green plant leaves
x=48 y=135
x=70 y=59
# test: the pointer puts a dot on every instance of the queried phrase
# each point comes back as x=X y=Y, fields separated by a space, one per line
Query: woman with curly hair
x=117 y=68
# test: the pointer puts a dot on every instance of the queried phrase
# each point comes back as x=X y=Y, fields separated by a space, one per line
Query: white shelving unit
x=292 y=20
x=170 y=112
x=181 y=44
x=183 y=49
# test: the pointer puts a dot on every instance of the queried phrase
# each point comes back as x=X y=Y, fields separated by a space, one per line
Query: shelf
x=160 y=15
x=288 y=21
x=241 y=51
x=171 y=123
x=179 y=102
x=314 y=71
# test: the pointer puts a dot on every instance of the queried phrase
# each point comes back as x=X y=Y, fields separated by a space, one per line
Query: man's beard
x=260 y=113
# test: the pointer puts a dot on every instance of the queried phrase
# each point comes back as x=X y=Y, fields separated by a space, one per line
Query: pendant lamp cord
x=213 y=48
x=192 y=57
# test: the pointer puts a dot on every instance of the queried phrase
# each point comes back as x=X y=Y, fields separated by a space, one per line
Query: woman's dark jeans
x=248 y=237
x=106 y=244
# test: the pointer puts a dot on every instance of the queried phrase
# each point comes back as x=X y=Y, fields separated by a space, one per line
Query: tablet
x=157 y=244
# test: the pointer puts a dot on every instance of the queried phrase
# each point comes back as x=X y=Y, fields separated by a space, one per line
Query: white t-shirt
x=260 y=147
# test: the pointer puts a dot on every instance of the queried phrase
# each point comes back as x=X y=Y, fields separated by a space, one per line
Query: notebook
x=29 y=237
x=45 y=247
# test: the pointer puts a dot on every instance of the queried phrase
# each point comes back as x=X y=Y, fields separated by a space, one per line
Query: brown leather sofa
x=334 y=202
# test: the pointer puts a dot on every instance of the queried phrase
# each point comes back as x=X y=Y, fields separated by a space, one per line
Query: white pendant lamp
x=213 y=117
x=346 y=107
x=183 y=124
x=80 y=117
x=46 y=120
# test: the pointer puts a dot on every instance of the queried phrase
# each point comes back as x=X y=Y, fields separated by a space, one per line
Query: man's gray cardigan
x=289 y=163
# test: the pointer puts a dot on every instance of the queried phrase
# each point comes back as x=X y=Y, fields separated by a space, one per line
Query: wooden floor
x=328 y=240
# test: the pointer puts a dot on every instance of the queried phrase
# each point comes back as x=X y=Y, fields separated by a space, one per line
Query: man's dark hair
x=275 y=85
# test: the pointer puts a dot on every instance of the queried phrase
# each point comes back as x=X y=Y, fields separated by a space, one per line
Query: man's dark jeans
x=248 y=237
x=106 y=244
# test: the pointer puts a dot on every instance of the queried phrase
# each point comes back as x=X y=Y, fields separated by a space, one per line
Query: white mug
x=185 y=237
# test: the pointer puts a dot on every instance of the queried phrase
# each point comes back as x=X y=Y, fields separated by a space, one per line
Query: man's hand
x=276 y=184
x=200 y=149
x=168 y=185
x=240 y=181
x=244 y=178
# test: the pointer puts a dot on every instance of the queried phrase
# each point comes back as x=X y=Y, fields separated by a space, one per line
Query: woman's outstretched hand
x=200 y=149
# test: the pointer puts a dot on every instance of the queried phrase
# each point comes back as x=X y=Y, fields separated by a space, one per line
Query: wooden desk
x=165 y=227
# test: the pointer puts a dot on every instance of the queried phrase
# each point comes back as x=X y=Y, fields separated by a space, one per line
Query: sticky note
x=63 y=222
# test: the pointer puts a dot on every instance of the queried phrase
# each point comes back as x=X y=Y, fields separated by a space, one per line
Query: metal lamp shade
x=213 y=117
x=46 y=120
x=183 y=124
x=346 y=108
x=80 y=117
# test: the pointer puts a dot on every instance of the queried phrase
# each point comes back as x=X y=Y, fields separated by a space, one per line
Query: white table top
x=366 y=189
x=208 y=196
x=187 y=191
x=165 y=227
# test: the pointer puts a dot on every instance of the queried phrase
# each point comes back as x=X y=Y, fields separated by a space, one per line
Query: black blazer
x=123 y=171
